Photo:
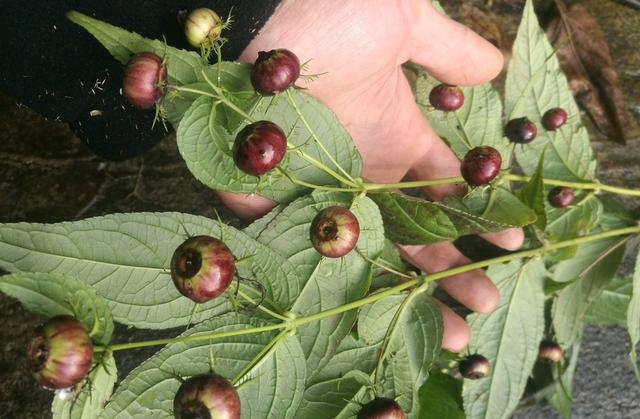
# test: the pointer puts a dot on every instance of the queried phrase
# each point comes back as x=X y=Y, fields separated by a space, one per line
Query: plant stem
x=325 y=168
x=596 y=186
x=261 y=307
x=412 y=184
x=311 y=185
x=260 y=356
x=383 y=266
x=372 y=298
x=222 y=98
x=190 y=90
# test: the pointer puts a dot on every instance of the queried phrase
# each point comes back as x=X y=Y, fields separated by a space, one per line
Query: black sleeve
x=59 y=70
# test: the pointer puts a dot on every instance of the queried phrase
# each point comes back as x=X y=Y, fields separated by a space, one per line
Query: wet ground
x=47 y=175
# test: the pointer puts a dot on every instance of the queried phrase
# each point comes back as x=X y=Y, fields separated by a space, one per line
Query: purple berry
x=202 y=268
x=474 y=367
x=554 y=118
x=481 y=165
x=550 y=352
x=561 y=196
x=521 y=130
x=202 y=25
x=259 y=147
x=446 y=98
x=334 y=232
x=381 y=408
x=60 y=353
x=206 y=396
x=274 y=71
x=144 y=79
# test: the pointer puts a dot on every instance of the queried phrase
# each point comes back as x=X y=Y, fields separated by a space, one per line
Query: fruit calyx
x=334 y=231
x=202 y=268
x=381 y=408
x=521 y=130
x=259 y=147
x=561 y=196
x=550 y=352
x=447 y=98
x=481 y=165
x=275 y=71
x=206 y=396
x=60 y=352
x=144 y=82
x=474 y=367
x=554 y=118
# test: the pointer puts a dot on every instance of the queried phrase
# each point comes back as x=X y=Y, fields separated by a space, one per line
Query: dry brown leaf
x=585 y=58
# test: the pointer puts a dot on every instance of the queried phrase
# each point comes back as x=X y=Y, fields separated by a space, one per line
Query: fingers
x=456 y=331
x=247 y=207
x=450 y=51
x=510 y=239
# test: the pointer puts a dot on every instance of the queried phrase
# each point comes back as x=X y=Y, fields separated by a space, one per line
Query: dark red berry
x=202 y=268
x=334 y=232
x=481 y=165
x=206 y=396
x=521 y=130
x=550 y=352
x=144 y=80
x=60 y=353
x=561 y=196
x=554 y=118
x=381 y=408
x=474 y=367
x=446 y=98
x=202 y=25
x=274 y=71
x=259 y=147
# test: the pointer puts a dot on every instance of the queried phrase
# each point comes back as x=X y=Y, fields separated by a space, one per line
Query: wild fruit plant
x=311 y=337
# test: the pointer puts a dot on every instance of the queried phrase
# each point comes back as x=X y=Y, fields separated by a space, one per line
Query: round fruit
x=481 y=165
x=259 y=147
x=446 y=98
x=274 y=71
x=381 y=408
x=474 y=367
x=554 y=118
x=202 y=268
x=202 y=25
x=561 y=196
x=206 y=396
x=334 y=232
x=60 y=353
x=521 y=130
x=144 y=79
x=550 y=352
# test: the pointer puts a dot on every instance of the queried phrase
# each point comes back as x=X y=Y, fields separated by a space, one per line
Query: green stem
x=372 y=298
x=412 y=184
x=312 y=185
x=190 y=90
x=596 y=186
x=261 y=307
x=315 y=137
x=222 y=98
x=324 y=168
x=260 y=356
x=382 y=266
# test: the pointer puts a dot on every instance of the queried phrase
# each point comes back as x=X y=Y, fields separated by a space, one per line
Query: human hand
x=359 y=51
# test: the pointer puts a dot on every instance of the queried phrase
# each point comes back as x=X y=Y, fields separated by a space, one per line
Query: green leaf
x=441 y=398
x=126 y=258
x=534 y=84
x=271 y=383
x=592 y=268
x=509 y=338
x=203 y=141
x=633 y=318
x=532 y=195
x=411 y=220
x=330 y=282
x=478 y=122
x=610 y=308
x=561 y=398
x=90 y=398
x=52 y=294
x=390 y=257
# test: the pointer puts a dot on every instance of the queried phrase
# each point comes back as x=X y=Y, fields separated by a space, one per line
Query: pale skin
x=360 y=46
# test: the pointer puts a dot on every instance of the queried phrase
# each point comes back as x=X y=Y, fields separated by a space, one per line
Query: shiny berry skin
x=554 y=118
x=202 y=268
x=259 y=147
x=550 y=352
x=60 y=353
x=381 y=408
x=206 y=396
x=144 y=79
x=202 y=25
x=446 y=98
x=561 y=196
x=481 y=165
x=474 y=367
x=274 y=71
x=520 y=130
x=334 y=232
